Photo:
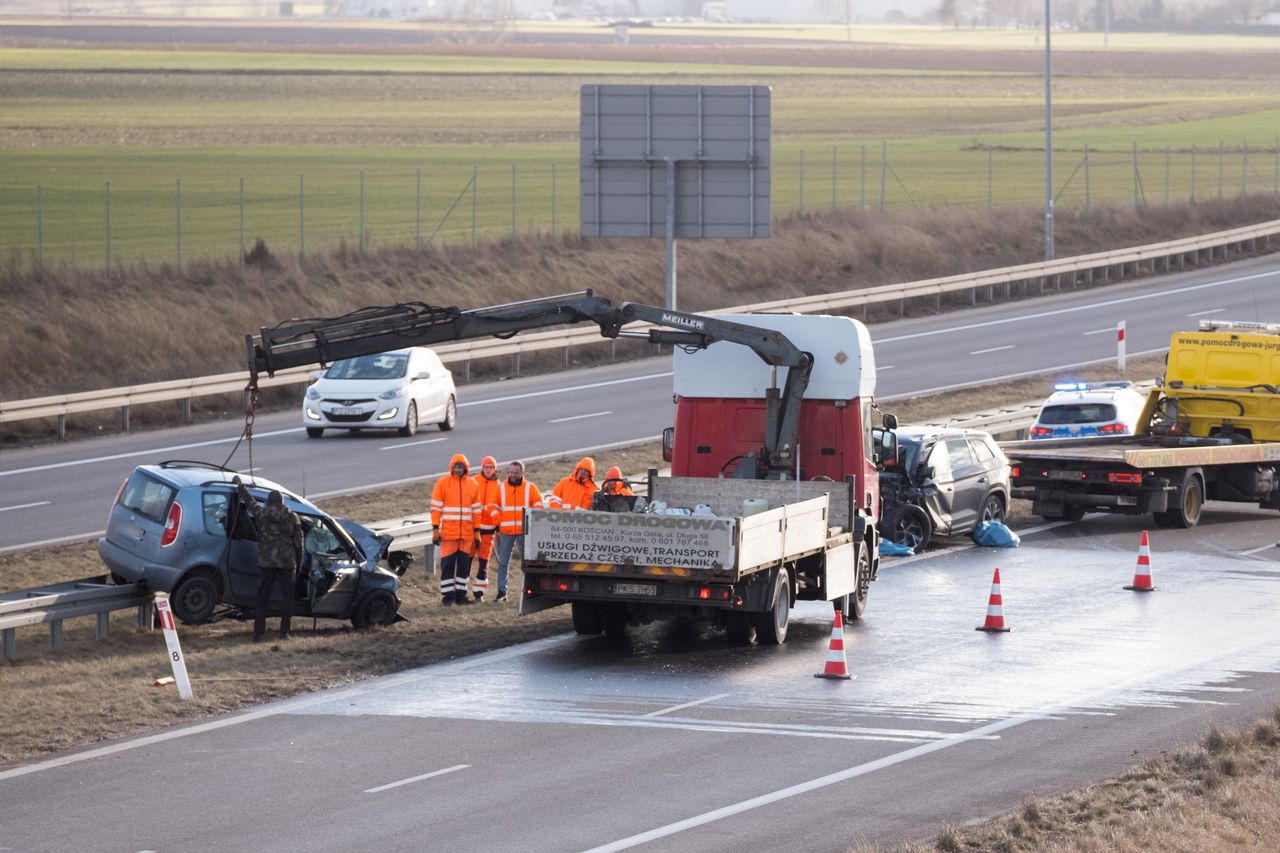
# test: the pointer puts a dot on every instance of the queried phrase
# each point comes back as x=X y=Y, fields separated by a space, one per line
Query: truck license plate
x=1064 y=475
x=348 y=410
x=635 y=589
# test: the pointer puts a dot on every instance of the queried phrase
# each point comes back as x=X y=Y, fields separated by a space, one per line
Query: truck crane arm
x=299 y=342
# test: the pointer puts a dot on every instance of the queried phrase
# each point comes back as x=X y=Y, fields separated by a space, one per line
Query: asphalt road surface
x=60 y=493
x=674 y=740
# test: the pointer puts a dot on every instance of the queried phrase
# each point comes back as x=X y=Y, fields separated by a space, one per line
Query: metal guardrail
x=97 y=596
x=51 y=604
x=1156 y=257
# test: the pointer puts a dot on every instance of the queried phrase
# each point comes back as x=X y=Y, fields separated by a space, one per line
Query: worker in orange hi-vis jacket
x=515 y=496
x=488 y=487
x=614 y=484
x=455 y=523
x=576 y=490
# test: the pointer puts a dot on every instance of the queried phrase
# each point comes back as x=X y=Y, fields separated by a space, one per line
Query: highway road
x=676 y=742
x=60 y=493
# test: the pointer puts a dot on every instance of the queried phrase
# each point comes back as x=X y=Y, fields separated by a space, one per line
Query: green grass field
x=953 y=134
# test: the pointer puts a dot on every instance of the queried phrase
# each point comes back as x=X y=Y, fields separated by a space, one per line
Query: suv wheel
x=377 y=608
x=194 y=598
x=993 y=508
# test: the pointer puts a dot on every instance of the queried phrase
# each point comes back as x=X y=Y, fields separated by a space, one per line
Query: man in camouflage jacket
x=279 y=555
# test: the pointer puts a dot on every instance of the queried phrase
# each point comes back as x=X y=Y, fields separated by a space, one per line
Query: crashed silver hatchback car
x=179 y=527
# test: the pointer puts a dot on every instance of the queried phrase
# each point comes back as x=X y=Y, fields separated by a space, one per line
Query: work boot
x=479 y=597
x=502 y=596
x=447 y=600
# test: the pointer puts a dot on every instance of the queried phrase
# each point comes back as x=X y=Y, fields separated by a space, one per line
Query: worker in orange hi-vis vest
x=576 y=490
x=515 y=496
x=614 y=484
x=455 y=523
x=487 y=487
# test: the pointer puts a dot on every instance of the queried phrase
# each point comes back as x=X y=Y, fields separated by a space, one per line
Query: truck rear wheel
x=771 y=626
x=1190 y=503
x=586 y=618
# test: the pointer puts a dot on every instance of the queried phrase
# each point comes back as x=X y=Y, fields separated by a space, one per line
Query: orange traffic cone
x=995 y=608
x=1142 y=574
x=836 y=667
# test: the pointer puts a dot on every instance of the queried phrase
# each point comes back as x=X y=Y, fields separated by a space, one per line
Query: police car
x=1089 y=409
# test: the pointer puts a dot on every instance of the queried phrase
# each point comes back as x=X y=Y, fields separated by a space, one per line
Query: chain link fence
x=176 y=220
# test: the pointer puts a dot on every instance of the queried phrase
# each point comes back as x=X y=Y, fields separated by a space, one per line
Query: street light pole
x=1048 y=134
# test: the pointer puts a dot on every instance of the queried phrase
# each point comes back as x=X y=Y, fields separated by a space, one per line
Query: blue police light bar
x=1091 y=386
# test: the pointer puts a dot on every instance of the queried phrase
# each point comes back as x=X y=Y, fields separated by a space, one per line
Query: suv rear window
x=147 y=496
x=1078 y=413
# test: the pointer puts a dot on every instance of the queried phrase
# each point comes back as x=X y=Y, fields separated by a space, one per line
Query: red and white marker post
x=1120 y=345
x=171 y=640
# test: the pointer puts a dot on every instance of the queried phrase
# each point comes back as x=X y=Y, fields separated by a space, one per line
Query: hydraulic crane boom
x=299 y=342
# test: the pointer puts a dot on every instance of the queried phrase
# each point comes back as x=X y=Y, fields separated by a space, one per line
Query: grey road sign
x=675 y=161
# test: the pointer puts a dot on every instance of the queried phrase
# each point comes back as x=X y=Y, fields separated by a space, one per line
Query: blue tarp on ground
x=994 y=534
x=893 y=549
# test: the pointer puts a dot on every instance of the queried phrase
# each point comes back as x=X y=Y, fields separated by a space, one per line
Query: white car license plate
x=348 y=410
x=635 y=589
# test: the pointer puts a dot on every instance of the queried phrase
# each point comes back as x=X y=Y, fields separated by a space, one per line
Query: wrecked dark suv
x=939 y=481
x=178 y=527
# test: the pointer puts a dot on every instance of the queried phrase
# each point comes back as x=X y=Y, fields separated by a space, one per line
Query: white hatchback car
x=1089 y=409
x=399 y=390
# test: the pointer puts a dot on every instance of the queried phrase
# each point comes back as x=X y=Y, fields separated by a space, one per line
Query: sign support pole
x=670 y=302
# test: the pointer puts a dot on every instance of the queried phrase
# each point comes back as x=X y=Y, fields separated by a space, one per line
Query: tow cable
x=246 y=435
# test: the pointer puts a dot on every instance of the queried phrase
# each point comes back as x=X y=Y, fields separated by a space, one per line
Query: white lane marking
x=285 y=706
x=24 y=506
x=813 y=784
x=431 y=775
x=1204 y=313
x=578 y=417
x=412 y=444
x=61 y=540
x=151 y=452
x=686 y=705
x=884 y=367
x=317 y=496
x=1022 y=318
x=1099 y=331
x=1258 y=550
x=993 y=349
x=630 y=442
x=568 y=390
x=212 y=442
x=940 y=388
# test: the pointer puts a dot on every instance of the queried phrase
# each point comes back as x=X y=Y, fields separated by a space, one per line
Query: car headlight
x=312 y=414
x=393 y=394
x=312 y=393
x=389 y=414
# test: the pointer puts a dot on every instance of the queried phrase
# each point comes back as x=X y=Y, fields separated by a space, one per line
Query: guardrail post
x=10 y=643
x=55 y=635
x=104 y=620
x=564 y=352
x=146 y=615
x=62 y=427
x=466 y=371
x=186 y=410
x=515 y=363
x=429 y=559
x=124 y=418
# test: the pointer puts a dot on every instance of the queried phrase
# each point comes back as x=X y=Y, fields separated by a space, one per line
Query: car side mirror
x=890 y=421
x=668 y=443
x=317 y=374
x=426 y=374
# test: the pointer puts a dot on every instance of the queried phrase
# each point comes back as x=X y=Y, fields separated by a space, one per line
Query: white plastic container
x=751 y=506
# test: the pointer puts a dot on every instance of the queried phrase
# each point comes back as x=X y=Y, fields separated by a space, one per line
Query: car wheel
x=410 y=420
x=993 y=508
x=909 y=525
x=450 y=415
x=315 y=432
x=377 y=608
x=586 y=618
x=771 y=627
x=194 y=598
